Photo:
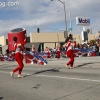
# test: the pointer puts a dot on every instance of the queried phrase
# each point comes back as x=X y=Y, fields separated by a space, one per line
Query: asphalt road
x=52 y=81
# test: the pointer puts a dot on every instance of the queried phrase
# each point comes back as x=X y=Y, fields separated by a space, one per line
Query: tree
x=88 y=30
x=98 y=31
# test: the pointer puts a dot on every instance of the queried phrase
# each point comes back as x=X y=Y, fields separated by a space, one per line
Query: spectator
x=33 y=49
x=97 y=50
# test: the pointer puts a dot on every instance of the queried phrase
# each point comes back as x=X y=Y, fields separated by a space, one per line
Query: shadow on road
x=1 y=98
x=83 y=65
x=53 y=70
x=86 y=64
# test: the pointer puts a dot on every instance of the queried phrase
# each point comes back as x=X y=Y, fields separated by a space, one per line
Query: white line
x=4 y=72
x=80 y=79
x=69 y=78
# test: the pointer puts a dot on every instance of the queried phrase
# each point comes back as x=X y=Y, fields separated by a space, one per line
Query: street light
x=63 y=2
x=70 y=29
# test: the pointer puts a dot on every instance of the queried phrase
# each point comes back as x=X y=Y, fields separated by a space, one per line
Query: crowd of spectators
x=93 y=45
x=7 y=57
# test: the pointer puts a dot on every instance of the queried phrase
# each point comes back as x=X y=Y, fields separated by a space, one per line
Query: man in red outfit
x=18 y=57
x=69 y=53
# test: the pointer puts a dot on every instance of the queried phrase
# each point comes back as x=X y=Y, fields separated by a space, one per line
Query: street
x=52 y=81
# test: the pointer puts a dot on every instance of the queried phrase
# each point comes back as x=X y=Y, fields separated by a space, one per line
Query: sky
x=33 y=14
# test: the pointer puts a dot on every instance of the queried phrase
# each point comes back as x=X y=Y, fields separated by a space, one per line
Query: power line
x=52 y=29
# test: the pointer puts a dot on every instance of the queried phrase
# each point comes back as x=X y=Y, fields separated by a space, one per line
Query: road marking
x=80 y=79
x=68 y=78
x=5 y=72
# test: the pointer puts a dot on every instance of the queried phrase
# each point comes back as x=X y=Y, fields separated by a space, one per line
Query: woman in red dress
x=18 y=57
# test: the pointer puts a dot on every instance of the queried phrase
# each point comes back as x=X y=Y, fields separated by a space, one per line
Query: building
x=54 y=39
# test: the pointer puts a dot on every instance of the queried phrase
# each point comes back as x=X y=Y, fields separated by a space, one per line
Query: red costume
x=18 y=58
x=58 y=52
x=48 y=52
x=10 y=56
x=70 y=53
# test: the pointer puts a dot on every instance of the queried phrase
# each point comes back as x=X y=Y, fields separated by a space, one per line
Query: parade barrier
x=40 y=58
x=83 y=52
x=80 y=52
x=30 y=58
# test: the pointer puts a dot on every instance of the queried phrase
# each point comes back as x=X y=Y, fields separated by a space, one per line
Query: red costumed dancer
x=18 y=57
x=69 y=52
x=48 y=52
x=58 y=52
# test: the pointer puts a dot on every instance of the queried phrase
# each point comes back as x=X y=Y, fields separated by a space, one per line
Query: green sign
x=70 y=29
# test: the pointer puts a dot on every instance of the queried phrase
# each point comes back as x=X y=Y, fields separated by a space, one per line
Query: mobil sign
x=85 y=21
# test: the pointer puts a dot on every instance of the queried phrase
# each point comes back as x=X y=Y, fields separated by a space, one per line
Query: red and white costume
x=48 y=52
x=70 y=53
x=18 y=57
x=58 y=52
x=33 y=48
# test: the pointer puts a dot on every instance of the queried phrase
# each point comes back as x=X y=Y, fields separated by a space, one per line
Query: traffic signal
x=65 y=34
x=38 y=30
